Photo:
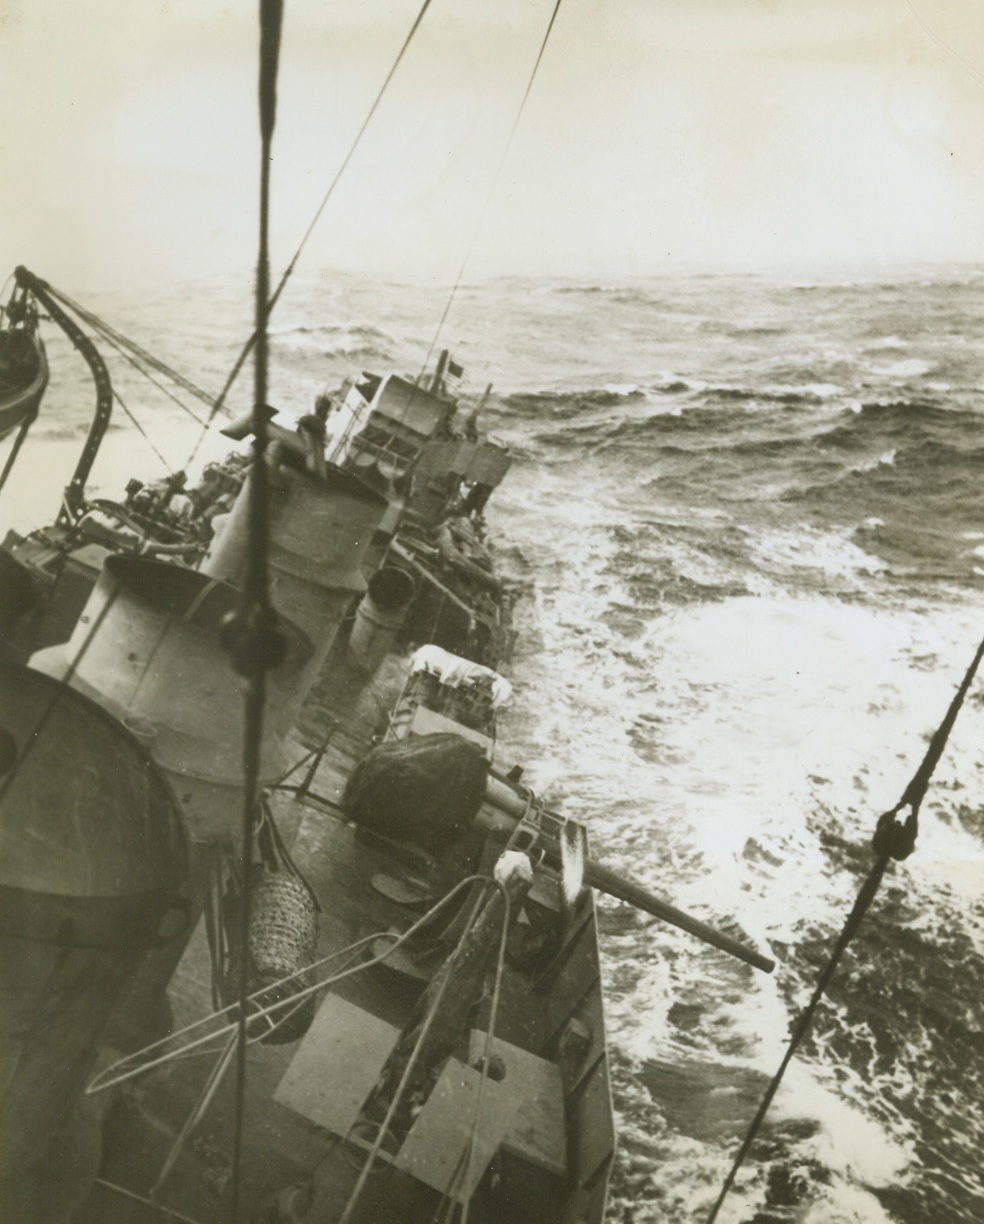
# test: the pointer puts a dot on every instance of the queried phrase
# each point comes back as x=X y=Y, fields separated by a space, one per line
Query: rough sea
x=747 y=514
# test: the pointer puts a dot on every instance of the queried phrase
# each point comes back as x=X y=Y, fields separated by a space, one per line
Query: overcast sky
x=660 y=133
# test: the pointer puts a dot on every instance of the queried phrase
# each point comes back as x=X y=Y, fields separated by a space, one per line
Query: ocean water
x=747 y=515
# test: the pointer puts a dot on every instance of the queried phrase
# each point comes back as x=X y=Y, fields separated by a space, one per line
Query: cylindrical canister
x=321 y=533
x=380 y=615
x=147 y=647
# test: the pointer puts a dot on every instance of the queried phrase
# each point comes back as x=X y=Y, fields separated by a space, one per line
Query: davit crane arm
x=75 y=491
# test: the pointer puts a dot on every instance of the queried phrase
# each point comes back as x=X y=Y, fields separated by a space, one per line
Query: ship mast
x=254 y=641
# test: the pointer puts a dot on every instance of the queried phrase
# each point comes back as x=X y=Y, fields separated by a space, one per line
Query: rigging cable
x=140 y=430
x=135 y=362
x=166 y=1213
x=944 y=46
x=119 y=341
x=253 y=340
x=65 y=681
x=400 y=1092
x=254 y=642
x=893 y=839
x=73 y=503
x=142 y=1061
x=487 y=1054
x=488 y=200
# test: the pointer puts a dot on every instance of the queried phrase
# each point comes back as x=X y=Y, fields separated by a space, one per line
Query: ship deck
x=351 y=871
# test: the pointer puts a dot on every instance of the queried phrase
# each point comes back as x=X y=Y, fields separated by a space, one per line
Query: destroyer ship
x=282 y=938
x=423 y=1035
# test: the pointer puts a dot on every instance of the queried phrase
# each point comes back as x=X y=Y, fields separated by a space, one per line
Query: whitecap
x=886 y=342
x=804 y=390
x=832 y=555
x=910 y=367
x=847 y=1142
x=886 y=459
x=823 y=390
x=843 y=1203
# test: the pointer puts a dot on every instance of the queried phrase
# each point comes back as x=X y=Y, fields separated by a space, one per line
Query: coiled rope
x=893 y=839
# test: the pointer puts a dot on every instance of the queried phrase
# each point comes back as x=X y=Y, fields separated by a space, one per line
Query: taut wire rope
x=121 y=343
x=143 y=433
x=484 y=211
x=251 y=342
x=137 y=365
x=487 y=1051
x=401 y=1087
x=893 y=839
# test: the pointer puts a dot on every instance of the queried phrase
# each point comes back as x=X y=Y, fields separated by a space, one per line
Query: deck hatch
x=326 y=1082
x=435 y=1150
x=538 y=1131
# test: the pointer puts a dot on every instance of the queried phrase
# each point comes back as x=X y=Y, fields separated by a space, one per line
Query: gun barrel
x=598 y=875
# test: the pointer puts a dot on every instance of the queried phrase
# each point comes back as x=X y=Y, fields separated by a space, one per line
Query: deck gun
x=516 y=805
